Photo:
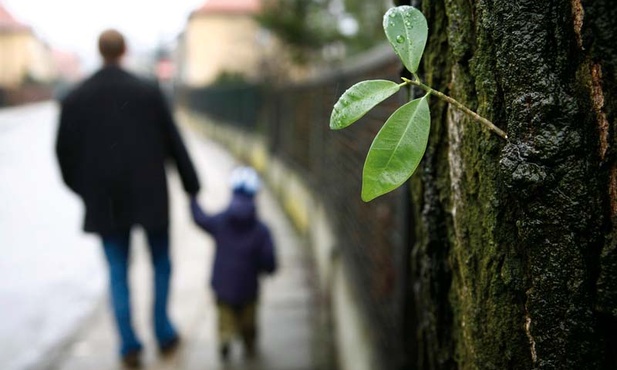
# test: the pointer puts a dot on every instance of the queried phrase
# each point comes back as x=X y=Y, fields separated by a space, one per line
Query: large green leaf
x=397 y=149
x=406 y=29
x=358 y=100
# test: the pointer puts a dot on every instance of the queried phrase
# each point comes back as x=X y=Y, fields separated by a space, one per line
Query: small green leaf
x=397 y=149
x=407 y=31
x=358 y=100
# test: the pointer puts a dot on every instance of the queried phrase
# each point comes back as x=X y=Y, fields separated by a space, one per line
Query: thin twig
x=459 y=105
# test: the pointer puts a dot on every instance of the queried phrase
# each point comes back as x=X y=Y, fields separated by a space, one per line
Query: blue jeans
x=117 y=252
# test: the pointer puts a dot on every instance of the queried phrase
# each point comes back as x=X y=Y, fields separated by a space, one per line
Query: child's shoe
x=224 y=351
x=249 y=346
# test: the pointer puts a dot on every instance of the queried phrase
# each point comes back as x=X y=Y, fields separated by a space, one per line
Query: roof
x=68 y=64
x=229 y=7
x=8 y=22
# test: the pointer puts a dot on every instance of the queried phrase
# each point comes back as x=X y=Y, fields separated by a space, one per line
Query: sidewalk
x=286 y=317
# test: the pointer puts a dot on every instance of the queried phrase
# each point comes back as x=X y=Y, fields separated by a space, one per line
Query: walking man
x=115 y=136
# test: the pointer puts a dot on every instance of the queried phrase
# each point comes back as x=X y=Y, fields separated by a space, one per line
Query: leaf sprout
x=399 y=146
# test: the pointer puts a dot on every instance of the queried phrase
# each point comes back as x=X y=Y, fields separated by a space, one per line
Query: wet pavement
x=51 y=276
x=64 y=268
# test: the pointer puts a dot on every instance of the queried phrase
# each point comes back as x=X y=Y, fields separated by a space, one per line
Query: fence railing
x=237 y=104
x=373 y=237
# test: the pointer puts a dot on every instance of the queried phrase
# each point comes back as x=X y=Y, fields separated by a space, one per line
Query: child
x=244 y=250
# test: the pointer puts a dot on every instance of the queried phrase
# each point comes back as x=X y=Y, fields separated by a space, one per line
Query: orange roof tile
x=229 y=6
x=8 y=22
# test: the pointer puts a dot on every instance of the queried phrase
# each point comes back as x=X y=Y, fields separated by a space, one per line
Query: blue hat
x=245 y=180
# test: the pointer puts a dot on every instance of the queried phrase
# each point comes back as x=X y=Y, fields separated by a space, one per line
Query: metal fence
x=236 y=104
x=373 y=237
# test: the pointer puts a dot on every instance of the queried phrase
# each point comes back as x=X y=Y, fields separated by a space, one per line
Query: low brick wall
x=24 y=95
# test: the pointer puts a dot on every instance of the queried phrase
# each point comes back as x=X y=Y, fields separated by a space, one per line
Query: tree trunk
x=515 y=256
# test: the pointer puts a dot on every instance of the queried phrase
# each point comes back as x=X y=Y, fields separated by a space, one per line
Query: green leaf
x=358 y=100
x=407 y=31
x=397 y=149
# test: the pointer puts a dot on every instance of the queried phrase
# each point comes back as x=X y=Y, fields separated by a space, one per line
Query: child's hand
x=195 y=208
x=199 y=216
x=193 y=199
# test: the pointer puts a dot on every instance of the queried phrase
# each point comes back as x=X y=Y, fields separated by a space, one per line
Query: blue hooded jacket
x=244 y=249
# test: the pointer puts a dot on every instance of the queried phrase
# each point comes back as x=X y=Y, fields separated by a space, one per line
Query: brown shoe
x=132 y=359
x=170 y=347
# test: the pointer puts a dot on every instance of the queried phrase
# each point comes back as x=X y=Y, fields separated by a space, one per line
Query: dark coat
x=244 y=249
x=115 y=135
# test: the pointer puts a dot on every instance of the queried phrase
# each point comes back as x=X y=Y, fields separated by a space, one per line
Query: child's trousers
x=234 y=320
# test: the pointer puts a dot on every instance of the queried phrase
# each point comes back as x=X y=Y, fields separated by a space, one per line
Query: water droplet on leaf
x=400 y=39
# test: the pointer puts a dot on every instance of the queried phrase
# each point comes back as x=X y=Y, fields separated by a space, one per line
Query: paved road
x=51 y=275
x=287 y=316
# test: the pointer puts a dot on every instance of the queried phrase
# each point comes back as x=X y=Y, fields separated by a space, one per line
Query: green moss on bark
x=516 y=232
x=430 y=190
x=489 y=285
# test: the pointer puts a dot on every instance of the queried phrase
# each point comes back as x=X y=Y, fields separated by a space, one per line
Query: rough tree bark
x=514 y=264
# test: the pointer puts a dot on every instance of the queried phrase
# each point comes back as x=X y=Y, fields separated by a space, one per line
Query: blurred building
x=68 y=66
x=222 y=40
x=23 y=57
x=68 y=72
